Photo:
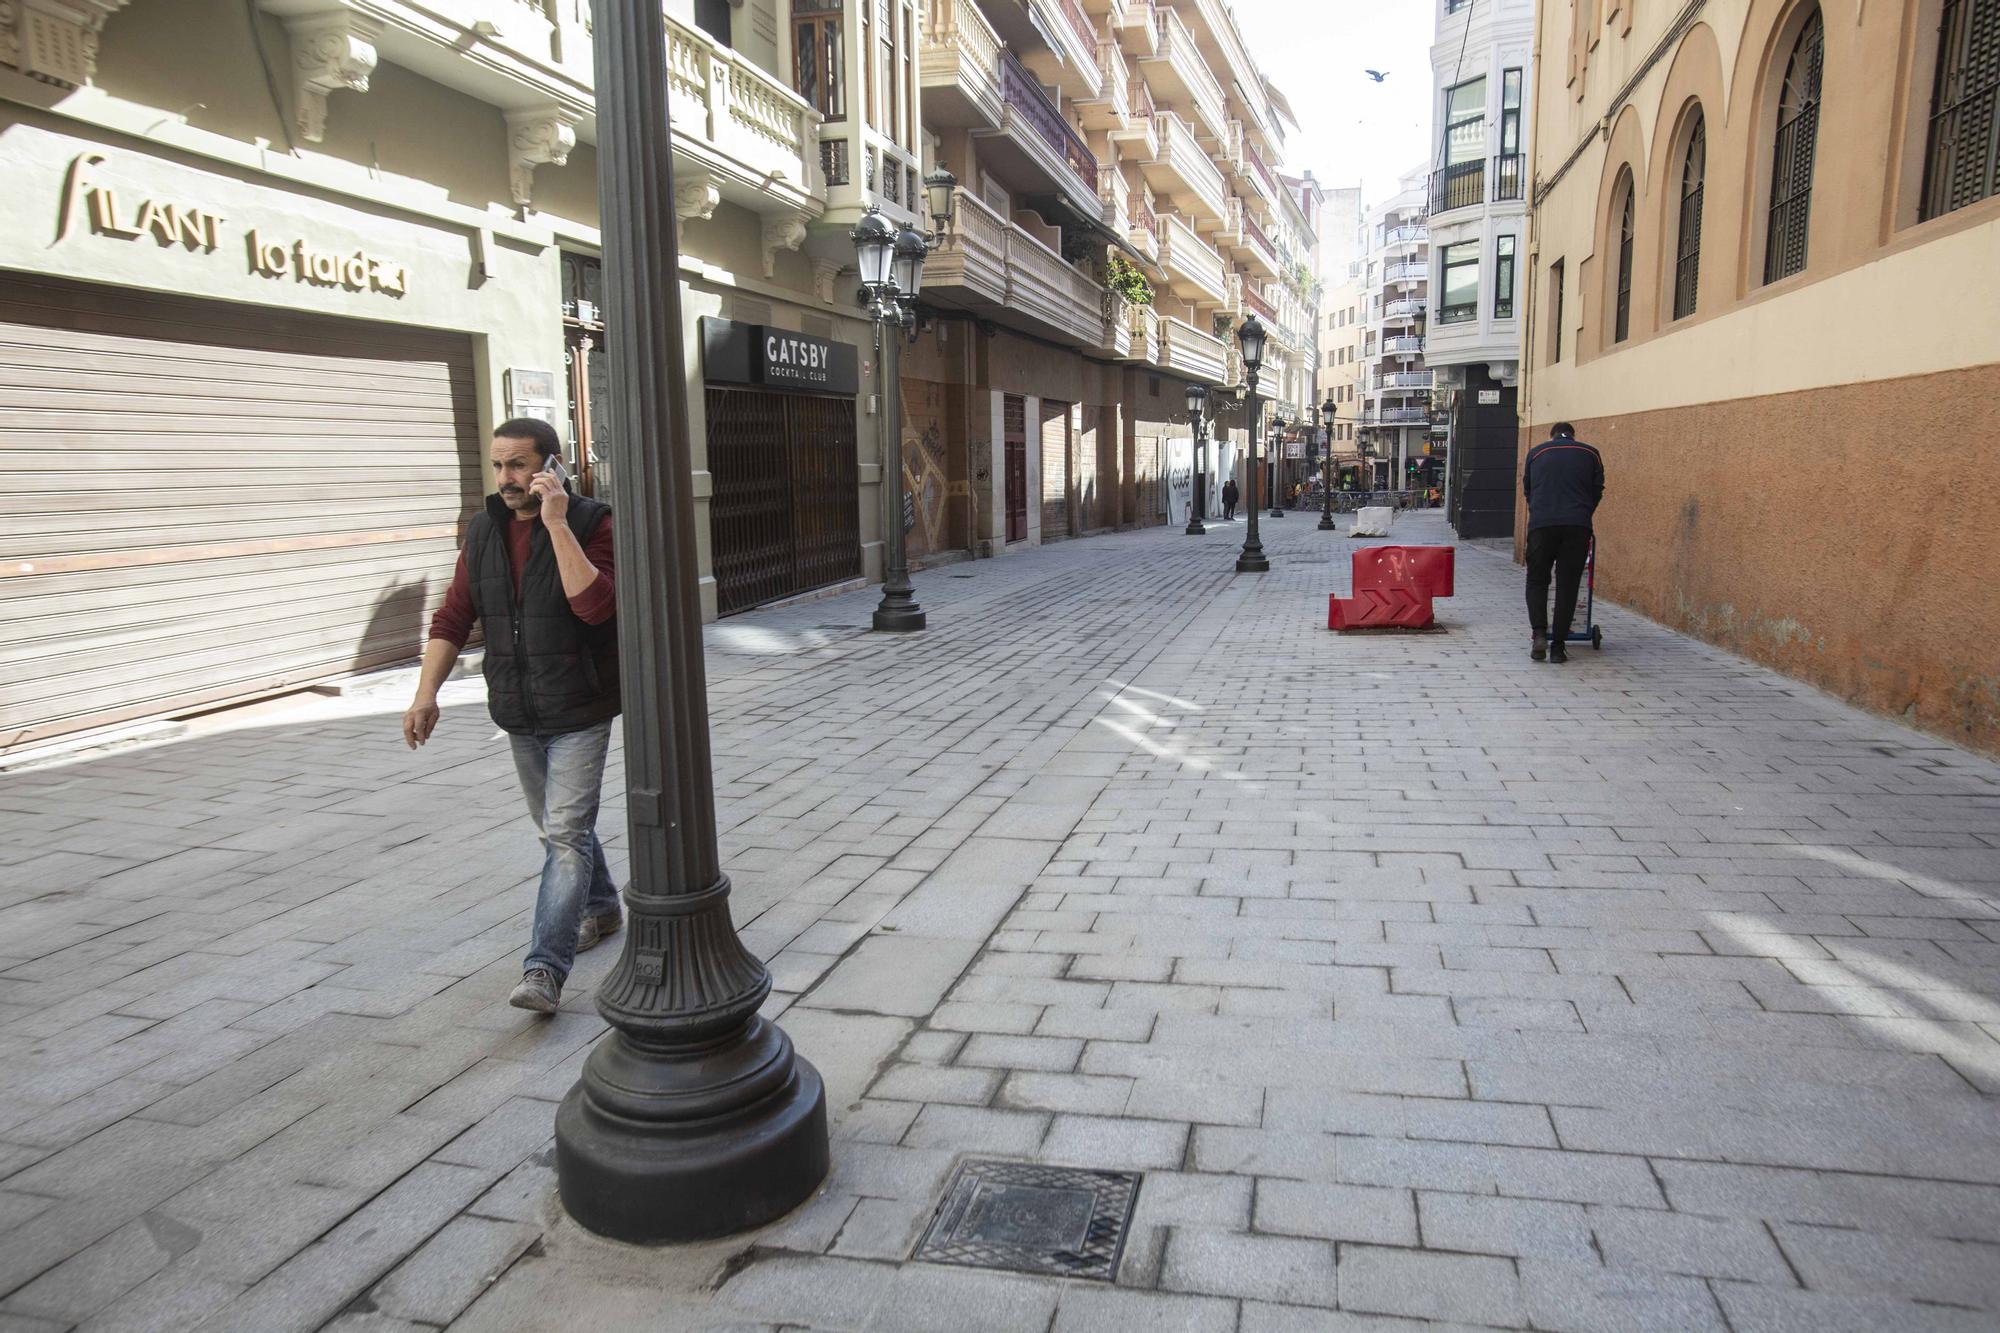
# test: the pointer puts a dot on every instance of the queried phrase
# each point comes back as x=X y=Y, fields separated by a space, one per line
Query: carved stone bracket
x=696 y=195
x=786 y=231
x=330 y=51
x=54 y=41
x=536 y=136
x=826 y=273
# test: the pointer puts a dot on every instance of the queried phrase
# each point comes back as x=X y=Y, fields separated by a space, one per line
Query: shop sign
x=1295 y=448
x=199 y=230
x=1489 y=397
x=733 y=352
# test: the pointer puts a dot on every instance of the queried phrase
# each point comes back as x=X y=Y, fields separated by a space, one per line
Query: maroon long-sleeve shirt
x=593 y=606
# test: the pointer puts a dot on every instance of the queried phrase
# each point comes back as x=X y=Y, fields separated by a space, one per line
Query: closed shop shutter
x=1152 y=498
x=207 y=502
x=1055 y=470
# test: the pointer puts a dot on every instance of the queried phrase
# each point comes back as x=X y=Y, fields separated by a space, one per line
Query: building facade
x=1118 y=214
x=1755 y=229
x=1481 y=63
x=1395 y=382
x=304 y=260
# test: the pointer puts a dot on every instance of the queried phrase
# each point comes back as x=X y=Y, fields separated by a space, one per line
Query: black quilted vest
x=547 y=672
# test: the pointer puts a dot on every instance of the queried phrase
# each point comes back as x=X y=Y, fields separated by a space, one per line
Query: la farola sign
x=189 y=225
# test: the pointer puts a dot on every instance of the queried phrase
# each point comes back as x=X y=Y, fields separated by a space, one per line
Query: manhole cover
x=1032 y=1219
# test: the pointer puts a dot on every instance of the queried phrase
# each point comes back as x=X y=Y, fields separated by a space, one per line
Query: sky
x=1352 y=130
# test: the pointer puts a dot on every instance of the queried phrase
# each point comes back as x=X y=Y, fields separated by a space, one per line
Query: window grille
x=1622 y=325
x=1962 y=159
x=1792 y=159
x=1687 y=250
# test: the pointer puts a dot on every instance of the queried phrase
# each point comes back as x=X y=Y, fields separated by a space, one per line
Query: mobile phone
x=554 y=468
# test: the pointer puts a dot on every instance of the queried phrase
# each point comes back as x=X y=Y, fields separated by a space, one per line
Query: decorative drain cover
x=1032 y=1219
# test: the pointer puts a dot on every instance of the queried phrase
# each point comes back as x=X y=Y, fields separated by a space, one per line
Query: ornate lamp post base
x=1252 y=562
x=694 y=1118
x=1326 y=523
x=1196 y=527
x=899 y=613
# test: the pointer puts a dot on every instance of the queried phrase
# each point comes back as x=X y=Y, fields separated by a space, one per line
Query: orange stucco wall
x=1845 y=535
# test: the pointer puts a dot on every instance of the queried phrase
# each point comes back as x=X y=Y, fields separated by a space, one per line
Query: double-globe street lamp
x=1274 y=449
x=1197 y=403
x=1250 y=338
x=891 y=262
x=1326 y=523
x=693 y=1117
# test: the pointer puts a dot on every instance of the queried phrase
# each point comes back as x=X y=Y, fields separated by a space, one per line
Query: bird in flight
x=1376 y=74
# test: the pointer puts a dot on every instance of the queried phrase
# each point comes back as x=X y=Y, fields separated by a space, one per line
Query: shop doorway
x=785 y=515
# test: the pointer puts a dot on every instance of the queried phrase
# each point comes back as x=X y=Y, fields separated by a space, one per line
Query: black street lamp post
x=1197 y=400
x=693 y=1117
x=892 y=272
x=1250 y=336
x=1273 y=450
x=1326 y=523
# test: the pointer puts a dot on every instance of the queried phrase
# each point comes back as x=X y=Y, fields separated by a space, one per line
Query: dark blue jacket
x=1562 y=483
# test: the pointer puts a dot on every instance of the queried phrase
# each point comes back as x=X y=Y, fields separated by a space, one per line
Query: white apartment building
x=1482 y=73
x=1394 y=381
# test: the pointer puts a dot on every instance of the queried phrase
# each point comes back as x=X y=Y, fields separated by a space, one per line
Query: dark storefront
x=785 y=514
x=1485 y=443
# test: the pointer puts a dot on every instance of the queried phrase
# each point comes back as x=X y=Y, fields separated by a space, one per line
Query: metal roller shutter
x=208 y=502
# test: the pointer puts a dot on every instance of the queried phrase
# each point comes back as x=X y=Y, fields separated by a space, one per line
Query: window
x=1687 y=249
x=818 y=56
x=1962 y=160
x=1507 y=170
x=1461 y=283
x=1453 y=6
x=712 y=17
x=1621 y=327
x=1792 y=156
x=1556 y=311
x=908 y=129
x=1462 y=183
x=1503 y=278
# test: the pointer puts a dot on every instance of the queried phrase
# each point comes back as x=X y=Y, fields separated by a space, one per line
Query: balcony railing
x=741 y=111
x=1262 y=308
x=1459 y=185
x=1023 y=94
x=1189 y=351
x=1412 y=235
x=1406 y=272
x=1403 y=379
x=1042 y=285
x=1143 y=217
x=1405 y=309
x=1178 y=47
x=1185 y=255
x=1260 y=171
x=1182 y=154
x=1508 y=171
x=1397 y=415
x=1079 y=22
x=1405 y=344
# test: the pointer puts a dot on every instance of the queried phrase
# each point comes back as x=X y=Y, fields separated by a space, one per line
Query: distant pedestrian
x=536 y=570
x=1563 y=481
x=1229 y=497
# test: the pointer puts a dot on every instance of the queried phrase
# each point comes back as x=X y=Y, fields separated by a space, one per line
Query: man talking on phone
x=536 y=571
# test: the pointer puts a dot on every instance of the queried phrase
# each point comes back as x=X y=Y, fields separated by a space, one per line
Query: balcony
x=1408 y=308
x=1182 y=171
x=1230 y=233
x=1407 y=271
x=1257 y=248
x=1407 y=346
x=1260 y=307
x=1190 y=353
x=1035 y=142
x=1137 y=27
x=1395 y=416
x=1509 y=175
x=751 y=139
x=1402 y=379
x=1142 y=225
x=1414 y=234
x=1111 y=109
x=1261 y=176
x=958 y=67
x=1193 y=269
x=1059 y=43
x=1115 y=334
x=1459 y=185
x=1138 y=138
x=1216 y=30
x=992 y=267
x=1180 y=77
x=1142 y=324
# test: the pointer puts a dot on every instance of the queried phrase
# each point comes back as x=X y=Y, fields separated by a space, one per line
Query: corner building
x=1765 y=242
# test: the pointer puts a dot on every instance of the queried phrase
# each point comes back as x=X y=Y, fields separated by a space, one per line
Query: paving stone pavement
x=1426 y=984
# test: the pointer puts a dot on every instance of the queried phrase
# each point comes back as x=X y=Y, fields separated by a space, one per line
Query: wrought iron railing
x=1509 y=172
x=1460 y=185
x=1020 y=90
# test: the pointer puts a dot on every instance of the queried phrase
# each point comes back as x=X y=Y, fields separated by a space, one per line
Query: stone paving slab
x=1429 y=986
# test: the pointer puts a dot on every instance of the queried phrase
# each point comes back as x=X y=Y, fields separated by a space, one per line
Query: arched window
x=1792 y=160
x=1687 y=250
x=1622 y=326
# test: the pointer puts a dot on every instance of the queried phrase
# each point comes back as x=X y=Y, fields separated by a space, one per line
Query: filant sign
x=199 y=230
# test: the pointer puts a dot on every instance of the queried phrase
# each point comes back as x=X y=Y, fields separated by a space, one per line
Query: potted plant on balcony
x=1121 y=276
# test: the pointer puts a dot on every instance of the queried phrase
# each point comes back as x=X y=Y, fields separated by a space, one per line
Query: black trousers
x=1229 y=509
x=1563 y=549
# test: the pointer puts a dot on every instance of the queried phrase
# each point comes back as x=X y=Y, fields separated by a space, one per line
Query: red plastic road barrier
x=1393 y=588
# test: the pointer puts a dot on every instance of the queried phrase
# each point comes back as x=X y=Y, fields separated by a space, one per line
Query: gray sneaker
x=596 y=929
x=539 y=990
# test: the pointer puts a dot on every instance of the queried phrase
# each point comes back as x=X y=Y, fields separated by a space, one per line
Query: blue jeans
x=561 y=777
